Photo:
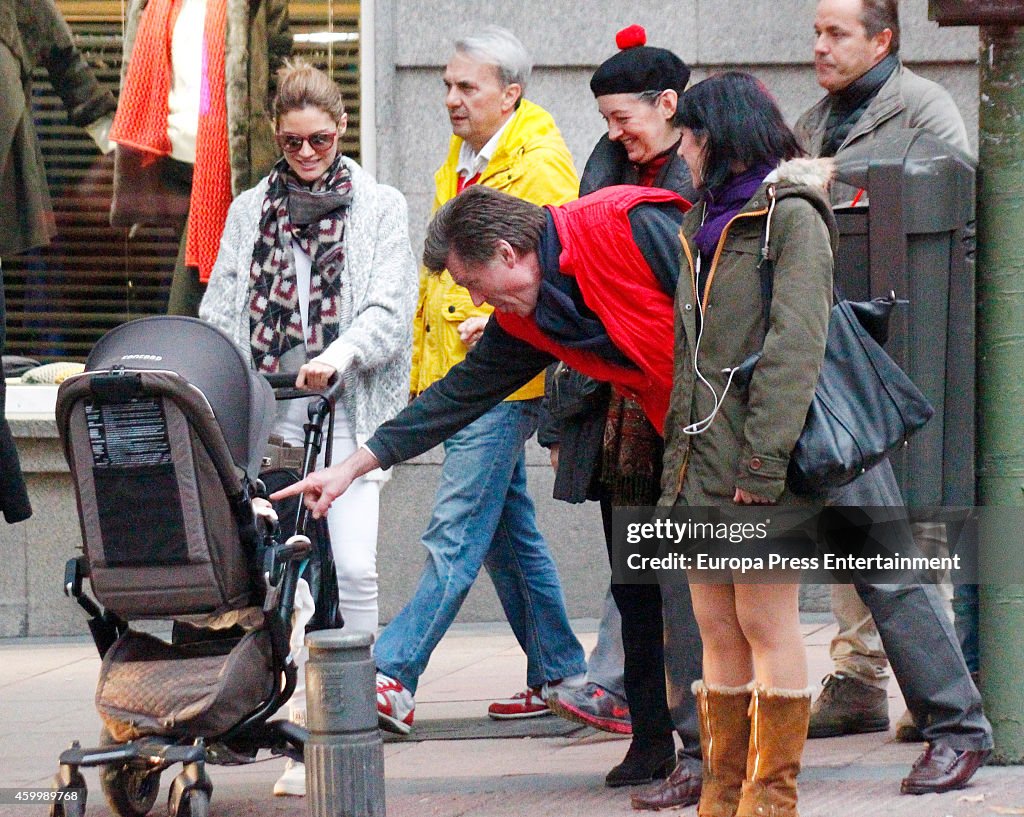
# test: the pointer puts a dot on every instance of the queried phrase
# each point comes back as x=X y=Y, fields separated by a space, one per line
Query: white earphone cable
x=700 y=426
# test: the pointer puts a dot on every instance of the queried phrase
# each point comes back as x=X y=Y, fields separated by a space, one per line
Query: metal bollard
x=344 y=753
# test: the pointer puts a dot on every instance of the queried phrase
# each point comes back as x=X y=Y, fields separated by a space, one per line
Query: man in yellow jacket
x=483 y=515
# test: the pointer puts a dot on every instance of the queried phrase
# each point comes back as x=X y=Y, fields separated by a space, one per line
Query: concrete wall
x=772 y=38
x=34 y=552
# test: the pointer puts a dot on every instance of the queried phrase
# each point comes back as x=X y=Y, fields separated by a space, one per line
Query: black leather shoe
x=642 y=765
x=941 y=768
x=681 y=788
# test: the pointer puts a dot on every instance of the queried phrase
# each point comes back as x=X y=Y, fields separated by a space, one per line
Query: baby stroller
x=164 y=433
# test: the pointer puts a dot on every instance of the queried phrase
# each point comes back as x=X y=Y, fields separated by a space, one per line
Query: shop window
x=92 y=277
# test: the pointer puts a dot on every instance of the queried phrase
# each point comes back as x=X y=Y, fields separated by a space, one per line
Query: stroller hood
x=206 y=357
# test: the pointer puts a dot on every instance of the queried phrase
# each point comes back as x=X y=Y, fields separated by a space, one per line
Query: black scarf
x=561 y=313
x=849 y=104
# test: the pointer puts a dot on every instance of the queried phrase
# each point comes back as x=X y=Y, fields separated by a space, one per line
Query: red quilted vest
x=598 y=250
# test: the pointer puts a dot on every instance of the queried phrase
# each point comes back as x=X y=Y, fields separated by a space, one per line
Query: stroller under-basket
x=164 y=433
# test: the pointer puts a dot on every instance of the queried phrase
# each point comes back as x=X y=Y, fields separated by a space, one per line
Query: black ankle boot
x=643 y=763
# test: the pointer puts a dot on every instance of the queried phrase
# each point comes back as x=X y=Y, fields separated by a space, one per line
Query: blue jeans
x=965 y=608
x=483 y=516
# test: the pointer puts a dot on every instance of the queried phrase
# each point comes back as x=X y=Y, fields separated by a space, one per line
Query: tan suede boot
x=778 y=731
x=724 y=738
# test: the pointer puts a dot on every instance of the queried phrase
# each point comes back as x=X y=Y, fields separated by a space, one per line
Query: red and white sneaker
x=529 y=703
x=395 y=705
x=594 y=706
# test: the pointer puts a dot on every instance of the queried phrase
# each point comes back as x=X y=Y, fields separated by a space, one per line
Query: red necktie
x=463 y=182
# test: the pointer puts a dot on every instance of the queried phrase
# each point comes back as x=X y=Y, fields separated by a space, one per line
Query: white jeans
x=352 y=521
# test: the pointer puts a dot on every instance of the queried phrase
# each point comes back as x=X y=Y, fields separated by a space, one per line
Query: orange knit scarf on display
x=141 y=119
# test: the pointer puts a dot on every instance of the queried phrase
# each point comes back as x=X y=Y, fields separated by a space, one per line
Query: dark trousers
x=684 y=662
x=919 y=639
x=925 y=656
x=14 y=503
x=186 y=290
x=650 y=641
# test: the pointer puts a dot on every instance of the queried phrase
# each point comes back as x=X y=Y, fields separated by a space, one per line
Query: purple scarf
x=726 y=201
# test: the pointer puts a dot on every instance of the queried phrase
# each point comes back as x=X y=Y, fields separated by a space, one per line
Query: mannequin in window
x=192 y=124
x=34 y=33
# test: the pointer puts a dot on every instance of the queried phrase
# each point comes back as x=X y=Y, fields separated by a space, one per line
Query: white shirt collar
x=470 y=162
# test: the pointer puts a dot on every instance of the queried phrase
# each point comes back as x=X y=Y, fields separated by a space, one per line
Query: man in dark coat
x=33 y=32
x=871 y=94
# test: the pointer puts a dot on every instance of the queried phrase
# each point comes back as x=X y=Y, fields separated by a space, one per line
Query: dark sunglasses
x=321 y=141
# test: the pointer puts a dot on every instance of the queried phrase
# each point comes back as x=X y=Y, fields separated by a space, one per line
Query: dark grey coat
x=32 y=33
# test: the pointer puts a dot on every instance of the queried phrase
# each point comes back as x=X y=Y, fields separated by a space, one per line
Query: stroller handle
x=280 y=380
x=333 y=390
x=286 y=380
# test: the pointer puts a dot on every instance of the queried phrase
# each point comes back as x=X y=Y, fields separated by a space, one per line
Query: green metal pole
x=1000 y=294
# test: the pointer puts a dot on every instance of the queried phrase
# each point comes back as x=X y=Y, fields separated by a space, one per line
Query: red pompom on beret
x=638 y=67
x=631 y=37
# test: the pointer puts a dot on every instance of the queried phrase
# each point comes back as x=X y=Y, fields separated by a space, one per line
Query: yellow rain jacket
x=531 y=162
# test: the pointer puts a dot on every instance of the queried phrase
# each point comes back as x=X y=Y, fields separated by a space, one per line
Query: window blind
x=93 y=277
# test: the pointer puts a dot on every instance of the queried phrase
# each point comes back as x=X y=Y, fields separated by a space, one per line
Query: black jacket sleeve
x=497 y=366
x=656 y=232
x=548 y=430
x=607 y=165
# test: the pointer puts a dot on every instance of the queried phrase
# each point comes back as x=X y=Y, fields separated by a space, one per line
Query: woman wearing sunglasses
x=316 y=275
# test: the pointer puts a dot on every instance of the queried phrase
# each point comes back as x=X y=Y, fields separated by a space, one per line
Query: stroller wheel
x=67 y=809
x=192 y=803
x=130 y=790
x=69 y=783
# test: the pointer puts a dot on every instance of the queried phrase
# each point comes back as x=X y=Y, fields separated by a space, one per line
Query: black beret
x=638 y=67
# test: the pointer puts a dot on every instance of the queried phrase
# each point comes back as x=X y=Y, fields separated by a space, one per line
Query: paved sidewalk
x=469 y=765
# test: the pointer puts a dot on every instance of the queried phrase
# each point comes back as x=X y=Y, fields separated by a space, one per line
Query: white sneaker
x=293 y=781
x=395 y=705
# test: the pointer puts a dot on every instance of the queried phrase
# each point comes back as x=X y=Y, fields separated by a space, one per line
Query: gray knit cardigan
x=378 y=296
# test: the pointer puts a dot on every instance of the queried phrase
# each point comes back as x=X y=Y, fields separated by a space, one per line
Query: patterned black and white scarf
x=314 y=217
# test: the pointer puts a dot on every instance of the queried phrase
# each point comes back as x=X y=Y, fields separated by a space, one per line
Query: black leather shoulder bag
x=865 y=407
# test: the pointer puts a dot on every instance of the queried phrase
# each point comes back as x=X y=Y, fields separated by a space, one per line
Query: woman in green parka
x=730 y=446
